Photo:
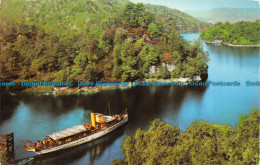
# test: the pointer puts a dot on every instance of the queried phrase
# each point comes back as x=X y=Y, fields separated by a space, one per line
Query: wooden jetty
x=7 y=143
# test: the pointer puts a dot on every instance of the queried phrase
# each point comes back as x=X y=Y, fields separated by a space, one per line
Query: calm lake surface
x=32 y=117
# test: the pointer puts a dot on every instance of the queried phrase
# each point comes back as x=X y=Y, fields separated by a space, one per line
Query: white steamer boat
x=77 y=135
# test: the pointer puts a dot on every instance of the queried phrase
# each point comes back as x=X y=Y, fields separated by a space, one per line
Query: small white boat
x=77 y=135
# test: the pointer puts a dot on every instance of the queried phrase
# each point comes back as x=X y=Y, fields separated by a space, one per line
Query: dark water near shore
x=32 y=117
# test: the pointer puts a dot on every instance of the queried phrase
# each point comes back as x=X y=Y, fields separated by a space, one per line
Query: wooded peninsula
x=240 y=33
x=88 y=40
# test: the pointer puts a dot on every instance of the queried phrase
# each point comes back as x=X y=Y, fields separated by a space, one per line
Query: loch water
x=34 y=116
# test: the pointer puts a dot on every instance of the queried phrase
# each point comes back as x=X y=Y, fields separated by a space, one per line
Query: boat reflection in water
x=77 y=135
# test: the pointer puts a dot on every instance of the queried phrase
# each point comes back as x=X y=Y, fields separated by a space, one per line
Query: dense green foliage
x=201 y=143
x=241 y=33
x=88 y=40
x=64 y=15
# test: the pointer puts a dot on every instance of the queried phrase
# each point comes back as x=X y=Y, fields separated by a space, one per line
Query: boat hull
x=84 y=139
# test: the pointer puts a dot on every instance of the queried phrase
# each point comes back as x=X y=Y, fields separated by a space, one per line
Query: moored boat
x=79 y=134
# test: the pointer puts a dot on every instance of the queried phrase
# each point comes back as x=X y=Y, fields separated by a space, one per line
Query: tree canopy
x=201 y=143
x=240 y=33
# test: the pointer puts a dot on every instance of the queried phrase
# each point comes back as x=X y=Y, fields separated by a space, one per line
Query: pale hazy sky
x=185 y=5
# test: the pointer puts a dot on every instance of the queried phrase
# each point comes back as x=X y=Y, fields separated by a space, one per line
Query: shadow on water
x=89 y=152
x=232 y=51
x=140 y=101
x=8 y=105
x=136 y=100
x=148 y=103
x=242 y=56
x=54 y=105
x=57 y=105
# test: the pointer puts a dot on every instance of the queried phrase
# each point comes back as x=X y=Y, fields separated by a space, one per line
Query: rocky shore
x=51 y=90
x=92 y=89
x=78 y=90
x=224 y=43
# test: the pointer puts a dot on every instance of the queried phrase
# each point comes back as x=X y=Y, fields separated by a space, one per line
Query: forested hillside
x=201 y=143
x=59 y=15
x=87 y=40
x=241 y=33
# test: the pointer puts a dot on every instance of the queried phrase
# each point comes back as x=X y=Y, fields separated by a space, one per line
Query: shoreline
x=99 y=88
x=66 y=90
x=218 y=42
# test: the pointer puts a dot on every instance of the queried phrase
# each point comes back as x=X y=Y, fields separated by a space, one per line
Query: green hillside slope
x=59 y=15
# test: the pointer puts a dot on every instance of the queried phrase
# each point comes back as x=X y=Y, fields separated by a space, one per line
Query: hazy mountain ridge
x=231 y=15
x=183 y=21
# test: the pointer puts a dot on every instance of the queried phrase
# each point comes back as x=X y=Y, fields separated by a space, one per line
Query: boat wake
x=24 y=161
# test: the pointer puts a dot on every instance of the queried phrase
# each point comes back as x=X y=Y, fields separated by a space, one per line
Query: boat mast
x=109 y=108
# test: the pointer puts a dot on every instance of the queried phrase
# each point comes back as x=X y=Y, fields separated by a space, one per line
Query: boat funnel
x=93 y=119
x=99 y=118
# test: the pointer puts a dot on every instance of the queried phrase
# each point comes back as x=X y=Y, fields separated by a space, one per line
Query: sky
x=185 y=5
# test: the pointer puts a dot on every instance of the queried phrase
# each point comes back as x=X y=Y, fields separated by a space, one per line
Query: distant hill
x=231 y=15
x=183 y=21
x=63 y=14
